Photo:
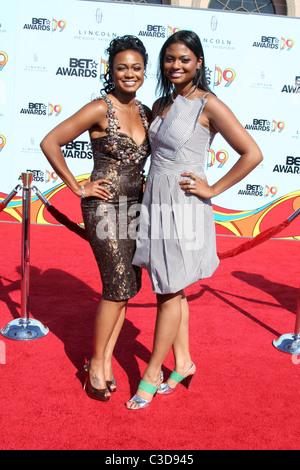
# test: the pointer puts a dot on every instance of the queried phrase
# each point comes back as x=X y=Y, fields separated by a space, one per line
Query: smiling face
x=180 y=64
x=128 y=71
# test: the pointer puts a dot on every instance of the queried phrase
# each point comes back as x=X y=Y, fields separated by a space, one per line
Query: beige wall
x=293 y=6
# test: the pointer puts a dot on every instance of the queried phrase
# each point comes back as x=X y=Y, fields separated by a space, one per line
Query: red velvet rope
x=63 y=219
x=260 y=238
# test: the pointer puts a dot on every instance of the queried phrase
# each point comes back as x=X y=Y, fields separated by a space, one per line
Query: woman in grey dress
x=176 y=243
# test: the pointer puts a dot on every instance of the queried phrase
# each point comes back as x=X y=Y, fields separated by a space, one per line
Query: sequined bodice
x=119 y=159
x=117 y=145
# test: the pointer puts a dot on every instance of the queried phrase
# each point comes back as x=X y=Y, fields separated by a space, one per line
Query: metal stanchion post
x=290 y=342
x=25 y=328
x=11 y=195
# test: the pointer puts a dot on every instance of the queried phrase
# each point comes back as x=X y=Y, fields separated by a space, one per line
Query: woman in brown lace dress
x=117 y=124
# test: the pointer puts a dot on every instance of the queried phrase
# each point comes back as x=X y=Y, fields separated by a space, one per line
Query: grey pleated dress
x=176 y=242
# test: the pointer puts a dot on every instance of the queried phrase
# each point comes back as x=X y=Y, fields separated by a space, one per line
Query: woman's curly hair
x=117 y=45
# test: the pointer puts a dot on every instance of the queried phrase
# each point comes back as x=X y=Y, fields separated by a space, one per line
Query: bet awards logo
x=44 y=24
x=78 y=149
x=268 y=42
x=39 y=24
x=257 y=190
x=158 y=31
x=292 y=88
x=86 y=68
x=252 y=190
x=272 y=42
x=40 y=176
x=292 y=165
x=42 y=109
x=264 y=125
x=259 y=125
x=154 y=31
x=35 y=108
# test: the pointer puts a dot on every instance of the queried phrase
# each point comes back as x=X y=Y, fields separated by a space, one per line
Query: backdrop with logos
x=52 y=61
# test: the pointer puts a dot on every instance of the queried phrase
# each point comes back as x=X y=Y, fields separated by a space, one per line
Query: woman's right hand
x=97 y=189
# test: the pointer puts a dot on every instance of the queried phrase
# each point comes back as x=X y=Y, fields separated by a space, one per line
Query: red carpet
x=245 y=392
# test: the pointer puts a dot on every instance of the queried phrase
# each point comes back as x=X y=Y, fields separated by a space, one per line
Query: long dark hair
x=164 y=87
x=117 y=45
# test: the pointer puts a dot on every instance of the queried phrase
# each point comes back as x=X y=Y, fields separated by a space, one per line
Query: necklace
x=185 y=96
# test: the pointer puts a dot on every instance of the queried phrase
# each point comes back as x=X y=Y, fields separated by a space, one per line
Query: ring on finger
x=192 y=182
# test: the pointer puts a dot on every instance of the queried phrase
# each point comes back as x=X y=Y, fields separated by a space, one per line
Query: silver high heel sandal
x=141 y=402
x=185 y=379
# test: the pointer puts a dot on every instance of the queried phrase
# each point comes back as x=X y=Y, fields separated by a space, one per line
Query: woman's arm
x=220 y=118
x=86 y=118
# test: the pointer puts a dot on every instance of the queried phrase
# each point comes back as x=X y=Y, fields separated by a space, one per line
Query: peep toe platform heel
x=112 y=385
x=92 y=392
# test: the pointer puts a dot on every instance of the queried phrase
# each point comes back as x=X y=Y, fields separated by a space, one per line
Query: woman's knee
x=176 y=296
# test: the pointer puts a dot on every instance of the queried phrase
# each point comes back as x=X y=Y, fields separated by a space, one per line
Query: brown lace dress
x=111 y=225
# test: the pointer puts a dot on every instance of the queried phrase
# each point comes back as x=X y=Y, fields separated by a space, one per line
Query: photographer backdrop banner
x=52 y=62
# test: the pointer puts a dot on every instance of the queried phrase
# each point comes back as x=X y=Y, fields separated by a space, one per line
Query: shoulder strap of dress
x=208 y=93
x=110 y=107
x=107 y=101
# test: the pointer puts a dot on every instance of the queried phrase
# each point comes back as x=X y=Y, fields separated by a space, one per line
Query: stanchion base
x=22 y=330
x=289 y=343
